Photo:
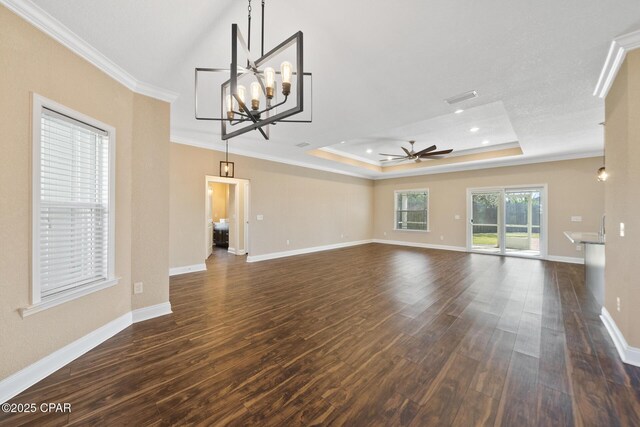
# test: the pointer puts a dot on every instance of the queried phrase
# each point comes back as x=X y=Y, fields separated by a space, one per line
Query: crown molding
x=351 y=156
x=491 y=164
x=617 y=52
x=179 y=139
x=456 y=167
x=49 y=25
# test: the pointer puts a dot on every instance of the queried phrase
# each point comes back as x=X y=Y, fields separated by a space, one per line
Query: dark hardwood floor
x=368 y=335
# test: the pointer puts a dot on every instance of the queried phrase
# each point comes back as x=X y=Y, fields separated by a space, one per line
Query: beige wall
x=307 y=207
x=622 y=204
x=150 y=199
x=572 y=187
x=32 y=62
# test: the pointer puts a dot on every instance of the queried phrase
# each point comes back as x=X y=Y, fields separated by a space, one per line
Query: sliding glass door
x=507 y=221
x=486 y=235
x=522 y=217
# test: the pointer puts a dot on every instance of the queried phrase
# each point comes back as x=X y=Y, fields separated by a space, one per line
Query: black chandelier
x=282 y=66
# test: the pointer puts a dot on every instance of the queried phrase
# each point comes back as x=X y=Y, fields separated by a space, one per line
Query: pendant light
x=226 y=167
x=602 y=172
x=255 y=79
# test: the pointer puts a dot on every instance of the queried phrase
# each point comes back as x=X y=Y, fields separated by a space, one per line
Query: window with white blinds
x=73 y=197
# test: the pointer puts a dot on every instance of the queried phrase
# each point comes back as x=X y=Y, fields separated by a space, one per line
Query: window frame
x=395 y=209
x=39 y=302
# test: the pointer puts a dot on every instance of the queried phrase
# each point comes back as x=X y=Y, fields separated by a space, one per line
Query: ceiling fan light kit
x=262 y=80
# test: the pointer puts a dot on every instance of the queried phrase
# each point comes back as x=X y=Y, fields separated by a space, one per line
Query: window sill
x=412 y=231
x=70 y=295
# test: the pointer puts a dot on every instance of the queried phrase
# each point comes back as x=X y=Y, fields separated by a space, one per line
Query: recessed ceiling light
x=342 y=142
x=485 y=142
x=474 y=129
x=458 y=111
x=369 y=151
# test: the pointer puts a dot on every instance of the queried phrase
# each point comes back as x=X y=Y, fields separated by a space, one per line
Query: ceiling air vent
x=302 y=144
x=462 y=97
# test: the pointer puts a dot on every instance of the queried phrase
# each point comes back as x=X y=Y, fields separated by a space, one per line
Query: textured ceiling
x=381 y=68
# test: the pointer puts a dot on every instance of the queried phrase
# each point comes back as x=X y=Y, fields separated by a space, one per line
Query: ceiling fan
x=411 y=154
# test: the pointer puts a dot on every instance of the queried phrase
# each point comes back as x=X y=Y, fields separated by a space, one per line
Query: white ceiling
x=451 y=130
x=381 y=70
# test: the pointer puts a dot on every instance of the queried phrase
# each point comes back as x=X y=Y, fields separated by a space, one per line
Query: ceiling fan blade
x=426 y=150
x=406 y=151
x=392 y=155
x=435 y=153
x=399 y=159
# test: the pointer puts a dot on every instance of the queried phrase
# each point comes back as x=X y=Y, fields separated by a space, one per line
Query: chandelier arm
x=241 y=114
x=274 y=106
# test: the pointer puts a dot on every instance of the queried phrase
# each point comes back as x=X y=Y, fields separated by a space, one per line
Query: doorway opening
x=508 y=221
x=226 y=216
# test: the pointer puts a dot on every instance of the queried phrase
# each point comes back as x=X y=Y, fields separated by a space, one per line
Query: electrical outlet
x=138 y=288
x=259 y=217
x=618 y=303
x=384 y=233
x=576 y=219
x=287 y=242
x=441 y=237
x=456 y=216
x=622 y=229
x=579 y=248
x=342 y=236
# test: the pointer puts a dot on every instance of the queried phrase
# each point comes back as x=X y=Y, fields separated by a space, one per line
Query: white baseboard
x=235 y=251
x=146 y=313
x=274 y=255
x=567 y=259
x=187 y=269
x=22 y=380
x=25 y=378
x=420 y=245
x=231 y=250
x=628 y=354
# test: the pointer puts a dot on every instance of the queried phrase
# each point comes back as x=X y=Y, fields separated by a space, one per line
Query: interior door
x=486 y=218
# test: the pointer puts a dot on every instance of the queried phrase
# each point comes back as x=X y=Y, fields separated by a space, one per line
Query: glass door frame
x=502 y=226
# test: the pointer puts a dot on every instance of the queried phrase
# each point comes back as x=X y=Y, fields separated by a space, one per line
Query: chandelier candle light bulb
x=285 y=70
x=241 y=95
x=229 y=107
x=270 y=81
x=255 y=95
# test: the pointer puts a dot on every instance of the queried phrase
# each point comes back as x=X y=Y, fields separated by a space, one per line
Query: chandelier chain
x=262 y=32
x=249 y=28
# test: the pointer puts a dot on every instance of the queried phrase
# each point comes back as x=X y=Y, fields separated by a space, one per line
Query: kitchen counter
x=593 y=260
x=585 y=237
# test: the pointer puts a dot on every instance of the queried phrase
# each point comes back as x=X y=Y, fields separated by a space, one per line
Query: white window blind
x=73 y=204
